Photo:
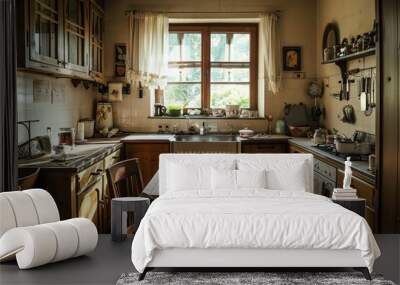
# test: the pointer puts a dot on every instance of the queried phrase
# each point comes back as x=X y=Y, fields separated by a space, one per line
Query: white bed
x=231 y=226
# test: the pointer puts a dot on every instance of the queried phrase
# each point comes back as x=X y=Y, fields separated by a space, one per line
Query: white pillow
x=251 y=178
x=223 y=179
x=291 y=179
x=282 y=173
x=183 y=177
x=227 y=179
x=193 y=174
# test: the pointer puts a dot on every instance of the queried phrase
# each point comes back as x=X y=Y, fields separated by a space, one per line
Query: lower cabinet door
x=89 y=201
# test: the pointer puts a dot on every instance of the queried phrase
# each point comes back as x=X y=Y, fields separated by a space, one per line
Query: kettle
x=159 y=110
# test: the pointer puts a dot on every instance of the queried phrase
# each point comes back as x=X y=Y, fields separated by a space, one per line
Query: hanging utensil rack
x=342 y=63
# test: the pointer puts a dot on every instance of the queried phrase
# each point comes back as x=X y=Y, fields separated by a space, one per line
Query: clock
x=315 y=89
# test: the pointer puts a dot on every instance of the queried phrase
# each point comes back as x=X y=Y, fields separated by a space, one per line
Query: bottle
x=202 y=129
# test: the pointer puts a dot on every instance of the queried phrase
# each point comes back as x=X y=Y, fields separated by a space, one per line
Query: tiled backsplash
x=55 y=102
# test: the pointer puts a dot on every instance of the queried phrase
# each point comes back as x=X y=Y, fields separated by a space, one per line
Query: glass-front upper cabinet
x=61 y=37
x=96 y=41
x=76 y=35
x=46 y=24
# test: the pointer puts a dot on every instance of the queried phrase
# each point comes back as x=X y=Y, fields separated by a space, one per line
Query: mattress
x=250 y=219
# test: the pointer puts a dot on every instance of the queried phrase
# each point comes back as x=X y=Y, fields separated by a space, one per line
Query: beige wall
x=60 y=105
x=297 y=28
x=353 y=17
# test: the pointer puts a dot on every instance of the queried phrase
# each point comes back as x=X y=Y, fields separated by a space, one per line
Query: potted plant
x=174 y=110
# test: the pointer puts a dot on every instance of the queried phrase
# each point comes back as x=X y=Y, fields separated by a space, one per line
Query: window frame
x=206 y=30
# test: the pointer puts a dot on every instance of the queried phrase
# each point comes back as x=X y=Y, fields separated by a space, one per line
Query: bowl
x=299 y=132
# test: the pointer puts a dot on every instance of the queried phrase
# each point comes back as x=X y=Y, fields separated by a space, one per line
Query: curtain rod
x=277 y=12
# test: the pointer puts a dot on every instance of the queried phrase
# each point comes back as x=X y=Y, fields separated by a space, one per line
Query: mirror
x=331 y=36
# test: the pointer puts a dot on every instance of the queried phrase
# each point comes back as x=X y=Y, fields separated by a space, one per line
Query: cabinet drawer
x=325 y=169
x=264 y=148
x=90 y=174
x=112 y=159
x=364 y=189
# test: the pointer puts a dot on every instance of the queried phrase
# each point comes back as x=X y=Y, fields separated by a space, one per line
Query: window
x=212 y=66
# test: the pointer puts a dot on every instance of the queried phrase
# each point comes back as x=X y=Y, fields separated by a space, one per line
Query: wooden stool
x=119 y=208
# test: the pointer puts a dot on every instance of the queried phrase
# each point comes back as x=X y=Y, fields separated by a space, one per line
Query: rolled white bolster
x=37 y=245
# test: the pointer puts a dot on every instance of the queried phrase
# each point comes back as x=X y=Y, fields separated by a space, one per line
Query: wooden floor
x=110 y=260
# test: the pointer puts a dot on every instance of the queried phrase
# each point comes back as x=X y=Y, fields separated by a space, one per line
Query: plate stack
x=344 y=194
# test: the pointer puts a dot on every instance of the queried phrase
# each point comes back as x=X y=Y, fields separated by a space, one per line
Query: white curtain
x=147 y=56
x=271 y=51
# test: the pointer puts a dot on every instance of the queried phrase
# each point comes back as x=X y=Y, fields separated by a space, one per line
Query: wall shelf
x=352 y=56
x=341 y=62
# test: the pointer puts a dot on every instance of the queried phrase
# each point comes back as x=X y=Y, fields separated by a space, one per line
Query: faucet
x=230 y=126
x=187 y=123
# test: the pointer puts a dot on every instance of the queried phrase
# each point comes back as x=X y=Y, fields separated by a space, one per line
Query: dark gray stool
x=355 y=205
x=119 y=208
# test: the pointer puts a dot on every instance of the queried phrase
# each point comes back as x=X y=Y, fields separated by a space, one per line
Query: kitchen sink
x=206 y=138
x=206 y=144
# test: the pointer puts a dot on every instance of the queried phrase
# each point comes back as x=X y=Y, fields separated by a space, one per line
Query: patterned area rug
x=243 y=278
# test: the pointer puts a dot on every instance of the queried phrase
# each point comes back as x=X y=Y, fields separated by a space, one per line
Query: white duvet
x=250 y=219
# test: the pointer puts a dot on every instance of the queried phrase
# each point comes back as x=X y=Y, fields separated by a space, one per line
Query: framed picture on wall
x=291 y=58
x=120 y=60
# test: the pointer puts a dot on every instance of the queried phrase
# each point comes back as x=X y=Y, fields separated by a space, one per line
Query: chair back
x=125 y=179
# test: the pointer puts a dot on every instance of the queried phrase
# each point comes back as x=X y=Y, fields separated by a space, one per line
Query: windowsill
x=201 y=118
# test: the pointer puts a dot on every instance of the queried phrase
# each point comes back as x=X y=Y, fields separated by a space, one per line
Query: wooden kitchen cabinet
x=334 y=172
x=56 y=37
x=364 y=190
x=96 y=41
x=264 y=147
x=76 y=35
x=40 y=34
x=83 y=191
x=148 y=154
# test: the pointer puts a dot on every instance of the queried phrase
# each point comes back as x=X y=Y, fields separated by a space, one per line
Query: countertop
x=171 y=137
x=148 y=137
x=265 y=138
x=360 y=166
x=96 y=149
x=81 y=156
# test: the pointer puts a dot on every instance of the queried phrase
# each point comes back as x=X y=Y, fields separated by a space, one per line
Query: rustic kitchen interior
x=184 y=139
x=84 y=103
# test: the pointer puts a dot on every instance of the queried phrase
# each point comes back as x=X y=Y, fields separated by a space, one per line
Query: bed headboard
x=197 y=160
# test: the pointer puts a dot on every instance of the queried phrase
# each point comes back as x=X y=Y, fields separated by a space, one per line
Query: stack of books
x=344 y=194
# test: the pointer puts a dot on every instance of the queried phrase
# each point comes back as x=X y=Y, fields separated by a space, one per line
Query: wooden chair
x=125 y=179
